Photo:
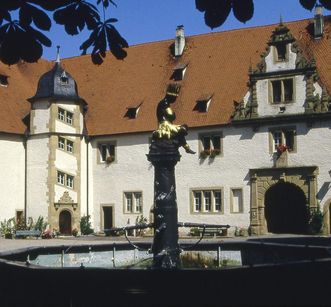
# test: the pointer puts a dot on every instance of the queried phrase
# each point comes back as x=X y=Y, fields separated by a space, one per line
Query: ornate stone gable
x=65 y=198
x=314 y=103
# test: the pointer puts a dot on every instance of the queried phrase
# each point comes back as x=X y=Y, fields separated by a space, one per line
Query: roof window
x=179 y=72
x=132 y=112
x=3 y=80
x=64 y=79
x=203 y=103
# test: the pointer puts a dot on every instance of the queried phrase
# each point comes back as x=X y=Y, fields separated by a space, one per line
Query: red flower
x=281 y=148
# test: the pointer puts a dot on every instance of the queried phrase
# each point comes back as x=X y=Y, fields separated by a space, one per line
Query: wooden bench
x=221 y=231
x=27 y=233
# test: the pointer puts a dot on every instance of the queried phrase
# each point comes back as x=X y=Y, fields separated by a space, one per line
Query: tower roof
x=56 y=84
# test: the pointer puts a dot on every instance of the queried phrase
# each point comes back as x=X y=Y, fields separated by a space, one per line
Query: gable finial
x=58 y=54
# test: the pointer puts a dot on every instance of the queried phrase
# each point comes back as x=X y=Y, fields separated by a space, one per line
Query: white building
x=66 y=155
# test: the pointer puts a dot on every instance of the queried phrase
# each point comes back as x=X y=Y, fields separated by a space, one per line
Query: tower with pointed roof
x=54 y=150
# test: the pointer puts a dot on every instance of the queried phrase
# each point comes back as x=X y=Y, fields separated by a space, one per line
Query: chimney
x=318 y=22
x=180 y=41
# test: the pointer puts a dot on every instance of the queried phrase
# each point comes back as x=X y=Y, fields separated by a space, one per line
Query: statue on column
x=168 y=130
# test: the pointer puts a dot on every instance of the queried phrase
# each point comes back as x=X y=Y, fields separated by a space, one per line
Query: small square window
x=107 y=152
x=285 y=136
x=282 y=91
x=133 y=202
x=211 y=145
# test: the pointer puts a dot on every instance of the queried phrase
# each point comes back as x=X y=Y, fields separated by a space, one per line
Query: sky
x=143 y=21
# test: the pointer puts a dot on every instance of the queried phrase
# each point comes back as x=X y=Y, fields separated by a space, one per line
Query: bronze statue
x=168 y=130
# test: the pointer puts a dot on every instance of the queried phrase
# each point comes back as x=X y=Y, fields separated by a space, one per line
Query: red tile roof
x=218 y=65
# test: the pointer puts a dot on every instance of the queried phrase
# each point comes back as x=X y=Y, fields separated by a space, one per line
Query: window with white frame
x=60 y=178
x=283 y=136
x=211 y=145
x=65 y=144
x=65 y=116
x=65 y=179
x=133 y=202
x=107 y=152
x=282 y=91
x=70 y=146
x=207 y=201
x=237 y=201
x=61 y=142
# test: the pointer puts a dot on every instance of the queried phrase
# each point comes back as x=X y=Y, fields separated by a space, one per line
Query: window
x=65 y=144
x=65 y=116
x=133 y=202
x=284 y=136
x=179 y=72
x=3 y=80
x=282 y=91
x=211 y=145
x=107 y=152
x=207 y=201
x=70 y=146
x=132 y=112
x=69 y=181
x=65 y=179
x=61 y=143
x=69 y=117
x=237 y=201
x=60 y=178
x=281 y=52
x=61 y=114
x=203 y=103
x=64 y=79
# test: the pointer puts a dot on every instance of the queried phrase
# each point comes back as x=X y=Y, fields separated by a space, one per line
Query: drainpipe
x=25 y=140
x=87 y=175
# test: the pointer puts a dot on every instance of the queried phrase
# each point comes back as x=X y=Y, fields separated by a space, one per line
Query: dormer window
x=3 y=80
x=64 y=79
x=281 y=51
x=203 y=103
x=281 y=91
x=132 y=112
x=179 y=72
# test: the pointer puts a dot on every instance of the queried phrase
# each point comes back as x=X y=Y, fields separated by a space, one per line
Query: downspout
x=87 y=175
x=25 y=140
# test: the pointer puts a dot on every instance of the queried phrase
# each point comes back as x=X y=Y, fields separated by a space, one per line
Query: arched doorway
x=65 y=222
x=285 y=209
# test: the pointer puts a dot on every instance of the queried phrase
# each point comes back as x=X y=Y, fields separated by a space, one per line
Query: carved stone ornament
x=66 y=199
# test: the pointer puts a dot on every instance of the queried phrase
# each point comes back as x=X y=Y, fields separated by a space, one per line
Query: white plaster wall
x=37 y=174
x=41 y=116
x=130 y=172
x=243 y=150
x=59 y=190
x=83 y=178
x=12 y=167
x=273 y=65
x=266 y=108
x=62 y=127
x=66 y=162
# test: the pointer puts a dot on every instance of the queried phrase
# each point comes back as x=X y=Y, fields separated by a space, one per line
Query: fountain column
x=164 y=155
